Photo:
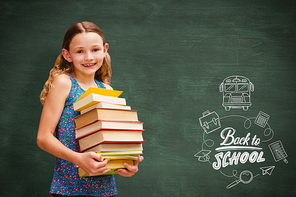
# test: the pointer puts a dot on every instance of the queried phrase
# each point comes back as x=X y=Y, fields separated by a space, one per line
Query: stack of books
x=108 y=126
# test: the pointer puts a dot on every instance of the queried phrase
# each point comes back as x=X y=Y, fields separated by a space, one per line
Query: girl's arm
x=91 y=162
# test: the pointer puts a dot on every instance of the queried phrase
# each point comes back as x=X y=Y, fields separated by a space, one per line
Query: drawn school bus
x=236 y=92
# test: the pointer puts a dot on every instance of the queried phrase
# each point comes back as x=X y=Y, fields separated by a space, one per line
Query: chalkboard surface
x=213 y=82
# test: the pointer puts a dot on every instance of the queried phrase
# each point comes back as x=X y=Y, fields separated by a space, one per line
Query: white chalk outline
x=209 y=143
x=261 y=119
x=209 y=119
x=226 y=148
x=238 y=97
x=267 y=170
x=278 y=152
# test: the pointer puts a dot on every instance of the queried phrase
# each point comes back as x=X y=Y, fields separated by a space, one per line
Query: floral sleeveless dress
x=66 y=180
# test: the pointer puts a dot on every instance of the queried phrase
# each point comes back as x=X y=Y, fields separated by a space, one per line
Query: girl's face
x=87 y=53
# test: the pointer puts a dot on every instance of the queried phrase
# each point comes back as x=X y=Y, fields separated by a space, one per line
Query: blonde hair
x=62 y=66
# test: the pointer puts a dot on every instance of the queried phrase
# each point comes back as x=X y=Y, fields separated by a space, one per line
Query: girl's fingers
x=124 y=172
x=100 y=168
x=104 y=162
x=130 y=170
x=141 y=158
x=96 y=156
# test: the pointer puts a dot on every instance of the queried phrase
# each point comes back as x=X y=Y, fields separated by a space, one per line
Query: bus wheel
x=245 y=108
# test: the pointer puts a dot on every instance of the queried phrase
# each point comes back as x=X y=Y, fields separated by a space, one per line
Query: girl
x=83 y=63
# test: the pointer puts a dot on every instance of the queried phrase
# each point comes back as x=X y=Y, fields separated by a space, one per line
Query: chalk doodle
x=236 y=141
x=261 y=119
x=278 y=151
x=203 y=155
x=245 y=177
x=267 y=170
x=209 y=121
x=236 y=92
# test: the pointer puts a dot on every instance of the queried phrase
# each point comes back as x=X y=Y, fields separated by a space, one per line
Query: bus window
x=230 y=87
x=242 y=87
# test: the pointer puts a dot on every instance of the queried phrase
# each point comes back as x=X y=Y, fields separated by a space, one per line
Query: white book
x=120 y=157
x=106 y=106
x=92 y=99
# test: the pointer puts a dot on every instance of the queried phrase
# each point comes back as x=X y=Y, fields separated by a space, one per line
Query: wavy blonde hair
x=62 y=66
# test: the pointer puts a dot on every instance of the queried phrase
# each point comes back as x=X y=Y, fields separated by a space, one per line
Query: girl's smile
x=89 y=65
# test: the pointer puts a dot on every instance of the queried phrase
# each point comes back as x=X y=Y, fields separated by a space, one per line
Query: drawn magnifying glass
x=245 y=177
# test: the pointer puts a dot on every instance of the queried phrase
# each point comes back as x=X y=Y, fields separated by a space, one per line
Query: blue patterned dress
x=66 y=180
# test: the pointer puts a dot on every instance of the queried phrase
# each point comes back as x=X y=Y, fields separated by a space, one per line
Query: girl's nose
x=88 y=56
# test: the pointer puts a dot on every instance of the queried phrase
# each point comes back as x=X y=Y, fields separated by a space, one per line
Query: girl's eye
x=95 y=50
x=79 y=52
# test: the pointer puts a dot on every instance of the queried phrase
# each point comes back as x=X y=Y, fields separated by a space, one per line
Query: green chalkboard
x=205 y=136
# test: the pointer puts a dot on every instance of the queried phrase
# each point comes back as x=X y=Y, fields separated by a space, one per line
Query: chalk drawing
x=278 y=151
x=203 y=155
x=261 y=119
x=245 y=177
x=236 y=92
x=235 y=148
x=267 y=170
x=209 y=121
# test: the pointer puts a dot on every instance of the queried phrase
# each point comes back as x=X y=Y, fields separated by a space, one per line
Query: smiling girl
x=83 y=63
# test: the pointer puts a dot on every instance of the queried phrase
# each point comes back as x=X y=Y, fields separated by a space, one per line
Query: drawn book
x=106 y=124
x=110 y=137
x=105 y=114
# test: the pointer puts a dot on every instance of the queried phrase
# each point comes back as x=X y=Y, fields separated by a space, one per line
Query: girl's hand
x=130 y=170
x=93 y=164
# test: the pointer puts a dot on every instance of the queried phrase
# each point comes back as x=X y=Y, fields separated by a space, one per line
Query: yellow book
x=112 y=164
x=101 y=91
